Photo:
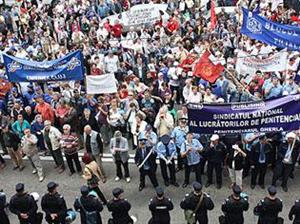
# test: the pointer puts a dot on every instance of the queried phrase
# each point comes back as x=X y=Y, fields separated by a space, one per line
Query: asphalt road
x=69 y=187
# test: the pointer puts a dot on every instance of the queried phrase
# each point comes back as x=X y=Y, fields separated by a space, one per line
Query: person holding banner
x=287 y=157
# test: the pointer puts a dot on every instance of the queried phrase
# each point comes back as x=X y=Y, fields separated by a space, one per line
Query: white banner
x=247 y=64
x=140 y=15
x=101 y=84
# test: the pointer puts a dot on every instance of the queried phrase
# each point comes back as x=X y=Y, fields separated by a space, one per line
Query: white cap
x=291 y=135
x=214 y=137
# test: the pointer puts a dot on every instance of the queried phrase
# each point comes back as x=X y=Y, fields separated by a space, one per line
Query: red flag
x=207 y=70
x=213 y=18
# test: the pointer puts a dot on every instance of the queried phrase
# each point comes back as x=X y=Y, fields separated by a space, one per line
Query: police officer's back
x=269 y=208
x=234 y=206
x=88 y=204
x=54 y=205
x=3 y=216
x=191 y=200
x=119 y=208
x=160 y=207
x=23 y=205
x=295 y=212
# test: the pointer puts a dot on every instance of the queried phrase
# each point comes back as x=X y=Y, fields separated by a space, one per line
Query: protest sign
x=247 y=64
x=282 y=114
x=101 y=84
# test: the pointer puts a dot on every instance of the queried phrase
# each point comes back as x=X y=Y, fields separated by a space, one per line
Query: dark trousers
x=164 y=172
x=99 y=193
x=284 y=171
x=247 y=164
x=259 y=169
x=3 y=217
x=218 y=170
x=152 y=176
x=58 y=157
x=1 y=159
x=74 y=157
x=119 y=163
x=179 y=159
x=187 y=171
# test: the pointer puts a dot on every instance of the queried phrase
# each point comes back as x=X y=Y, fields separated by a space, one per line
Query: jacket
x=123 y=147
x=233 y=209
x=18 y=129
x=96 y=142
x=89 y=204
x=90 y=169
x=23 y=203
x=268 y=210
x=139 y=158
x=30 y=149
x=283 y=149
x=54 y=136
x=190 y=203
x=254 y=156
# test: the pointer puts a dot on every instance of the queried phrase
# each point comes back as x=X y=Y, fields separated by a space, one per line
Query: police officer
x=295 y=212
x=191 y=201
x=145 y=159
x=234 y=206
x=287 y=157
x=54 y=205
x=88 y=203
x=160 y=207
x=166 y=152
x=119 y=208
x=3 y=216
x=179 y=136
x=215 y=153
x=269 y=208
x=191 y=149
x=23 y=205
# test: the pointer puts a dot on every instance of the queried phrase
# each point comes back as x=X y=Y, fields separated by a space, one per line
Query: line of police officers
x=53 y=204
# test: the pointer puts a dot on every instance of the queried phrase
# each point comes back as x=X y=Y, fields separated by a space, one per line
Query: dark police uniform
x=23 y=203
x=295 y=212
x=268 y=210
x=119 y=210
x=88 y=203
x=160 y=207
x=233 y=209
x=54 y=204
x=215 y=157
x=287 y=157
x=3 y=216
x=149 y=167
x=190 y=202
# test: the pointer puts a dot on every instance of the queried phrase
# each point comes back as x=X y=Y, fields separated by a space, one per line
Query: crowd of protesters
x=148 y=114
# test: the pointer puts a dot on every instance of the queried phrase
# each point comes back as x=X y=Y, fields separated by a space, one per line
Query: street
x=70 y=188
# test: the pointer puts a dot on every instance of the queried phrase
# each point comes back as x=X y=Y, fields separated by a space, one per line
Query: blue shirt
x=276 y=91
x=179 y=135
x=153 y=138
x=167 y=152
x=193 y=157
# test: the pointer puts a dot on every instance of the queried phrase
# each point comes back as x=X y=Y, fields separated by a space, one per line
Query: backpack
x=90 y=217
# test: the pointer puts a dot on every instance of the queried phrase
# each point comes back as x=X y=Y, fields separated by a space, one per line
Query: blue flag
x=69 y=67
x=262 y=29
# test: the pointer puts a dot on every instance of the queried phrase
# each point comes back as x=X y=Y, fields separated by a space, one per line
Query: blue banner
x=276 y=34
x=281 y=114
x=69 y=67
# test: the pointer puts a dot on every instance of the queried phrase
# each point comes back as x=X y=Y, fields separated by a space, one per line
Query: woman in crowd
x=92 y=174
